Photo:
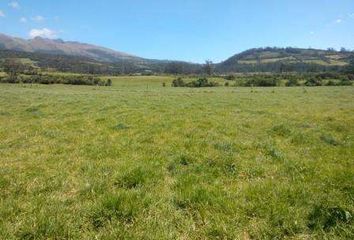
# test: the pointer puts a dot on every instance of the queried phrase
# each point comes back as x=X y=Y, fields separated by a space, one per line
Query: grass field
x=142 y=161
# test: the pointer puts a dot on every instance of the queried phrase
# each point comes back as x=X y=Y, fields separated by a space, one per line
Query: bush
x=261 y=82
x=57 y=79
x=313 y=82
x=345 y=82
x=227 y=84
x=328 y=75
x=292 y=83
x=230 y=77
x=331 y=83
x=178 y=82
x=201 y=82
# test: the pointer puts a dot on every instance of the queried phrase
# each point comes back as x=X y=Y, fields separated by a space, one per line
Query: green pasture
x=141 y=161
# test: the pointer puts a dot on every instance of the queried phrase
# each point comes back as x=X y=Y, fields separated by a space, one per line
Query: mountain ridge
x=266 y=59
x=59 y=46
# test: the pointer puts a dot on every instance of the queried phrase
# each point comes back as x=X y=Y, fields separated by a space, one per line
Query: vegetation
x=281 y=60
x=275 y=60
x=57 y=79
x=292 y=80
x=208 y=67
x=21 y=73
x=263 y=81
x=83 y=162
x=201 y=82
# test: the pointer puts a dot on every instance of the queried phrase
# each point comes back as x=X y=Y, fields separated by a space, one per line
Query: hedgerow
x=57 y=79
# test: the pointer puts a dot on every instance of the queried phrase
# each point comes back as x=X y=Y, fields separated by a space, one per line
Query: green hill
x=285 y=59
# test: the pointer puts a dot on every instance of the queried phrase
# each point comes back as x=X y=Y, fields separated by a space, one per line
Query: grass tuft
x=329 y=139
x=120 y=126
x=325 y=218
x=123 y=207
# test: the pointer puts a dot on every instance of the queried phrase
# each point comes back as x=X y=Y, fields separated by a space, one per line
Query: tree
x=12 y=67
x=343 y=49
x=208 y=67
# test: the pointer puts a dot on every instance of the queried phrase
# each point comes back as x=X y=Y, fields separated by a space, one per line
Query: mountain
x=79 y=57
x=285 y=59
x=58 y=46
x=83 y=58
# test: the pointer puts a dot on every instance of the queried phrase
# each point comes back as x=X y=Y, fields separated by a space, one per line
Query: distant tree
x=331 y=50
x=12 y=67
x=208 y=67
x=343 y=49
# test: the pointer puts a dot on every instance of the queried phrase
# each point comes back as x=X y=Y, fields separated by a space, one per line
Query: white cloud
x=14 y=5
x=23 y=20
x=2 y=14
x=312 y=33
x=44 y=32
x=339 y=20
x=38 y=18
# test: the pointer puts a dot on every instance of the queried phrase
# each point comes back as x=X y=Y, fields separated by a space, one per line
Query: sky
x=188 y=30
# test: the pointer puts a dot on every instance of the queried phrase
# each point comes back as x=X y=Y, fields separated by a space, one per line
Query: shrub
x=178 y=82
x=344 y=82
x=313 y=82
x=292 y=83
x=201 y=82
x=328 y=75
x=230 y=77
x=227 y=84
x=57 y=79
x=261 y=82
x=331 y=83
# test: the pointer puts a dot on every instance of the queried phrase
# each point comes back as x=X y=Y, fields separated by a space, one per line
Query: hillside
x=58 y=46
x=83 y=58
x=79 y=57
x=285 y=59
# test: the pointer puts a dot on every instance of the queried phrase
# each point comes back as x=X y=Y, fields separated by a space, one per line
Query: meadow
x=141 y=161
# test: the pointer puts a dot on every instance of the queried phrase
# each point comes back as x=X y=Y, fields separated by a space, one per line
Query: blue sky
x=190 y=30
